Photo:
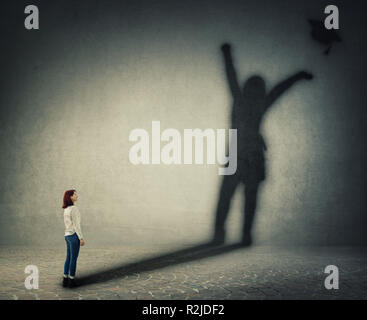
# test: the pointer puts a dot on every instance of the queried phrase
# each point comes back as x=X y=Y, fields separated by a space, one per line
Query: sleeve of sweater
x=75 y=215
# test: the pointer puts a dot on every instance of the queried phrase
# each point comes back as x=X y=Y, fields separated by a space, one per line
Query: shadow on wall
x=249 y=106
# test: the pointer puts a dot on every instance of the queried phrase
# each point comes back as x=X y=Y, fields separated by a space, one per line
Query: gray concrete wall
x=96 y=70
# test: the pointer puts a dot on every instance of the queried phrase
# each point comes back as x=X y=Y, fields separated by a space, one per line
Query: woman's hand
x=82 y=243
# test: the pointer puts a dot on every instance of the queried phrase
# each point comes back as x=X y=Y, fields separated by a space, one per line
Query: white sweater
x=72 y=221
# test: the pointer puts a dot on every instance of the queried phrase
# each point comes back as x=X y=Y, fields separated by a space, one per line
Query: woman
x=73 y=236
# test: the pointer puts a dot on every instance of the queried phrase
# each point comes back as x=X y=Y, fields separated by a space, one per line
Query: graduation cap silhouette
x=322 y=35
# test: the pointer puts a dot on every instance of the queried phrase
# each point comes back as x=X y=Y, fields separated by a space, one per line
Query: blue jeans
x=72 y=252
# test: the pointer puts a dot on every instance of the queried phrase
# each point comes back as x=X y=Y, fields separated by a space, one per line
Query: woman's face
x=74 y=197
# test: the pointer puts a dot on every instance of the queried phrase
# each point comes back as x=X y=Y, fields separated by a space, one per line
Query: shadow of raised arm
x=283 y=86
x=230 y=70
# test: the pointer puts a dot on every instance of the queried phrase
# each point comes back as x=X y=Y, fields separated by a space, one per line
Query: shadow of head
x=254 y=87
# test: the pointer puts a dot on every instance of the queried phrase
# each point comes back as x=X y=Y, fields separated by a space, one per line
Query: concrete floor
x=197 y=272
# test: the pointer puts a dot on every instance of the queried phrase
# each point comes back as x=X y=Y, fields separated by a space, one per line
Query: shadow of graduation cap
x=322 y=35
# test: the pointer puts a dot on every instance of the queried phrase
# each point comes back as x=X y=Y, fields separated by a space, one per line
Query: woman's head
x=70 y=197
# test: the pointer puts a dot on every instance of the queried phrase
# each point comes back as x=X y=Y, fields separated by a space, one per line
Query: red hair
x=66 y=200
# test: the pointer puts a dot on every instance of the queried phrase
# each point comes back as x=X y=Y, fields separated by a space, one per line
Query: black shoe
x=65 y=282
x=72 y=283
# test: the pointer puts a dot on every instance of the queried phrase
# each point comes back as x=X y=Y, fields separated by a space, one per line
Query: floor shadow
x=197 y=252
x=250 y=104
